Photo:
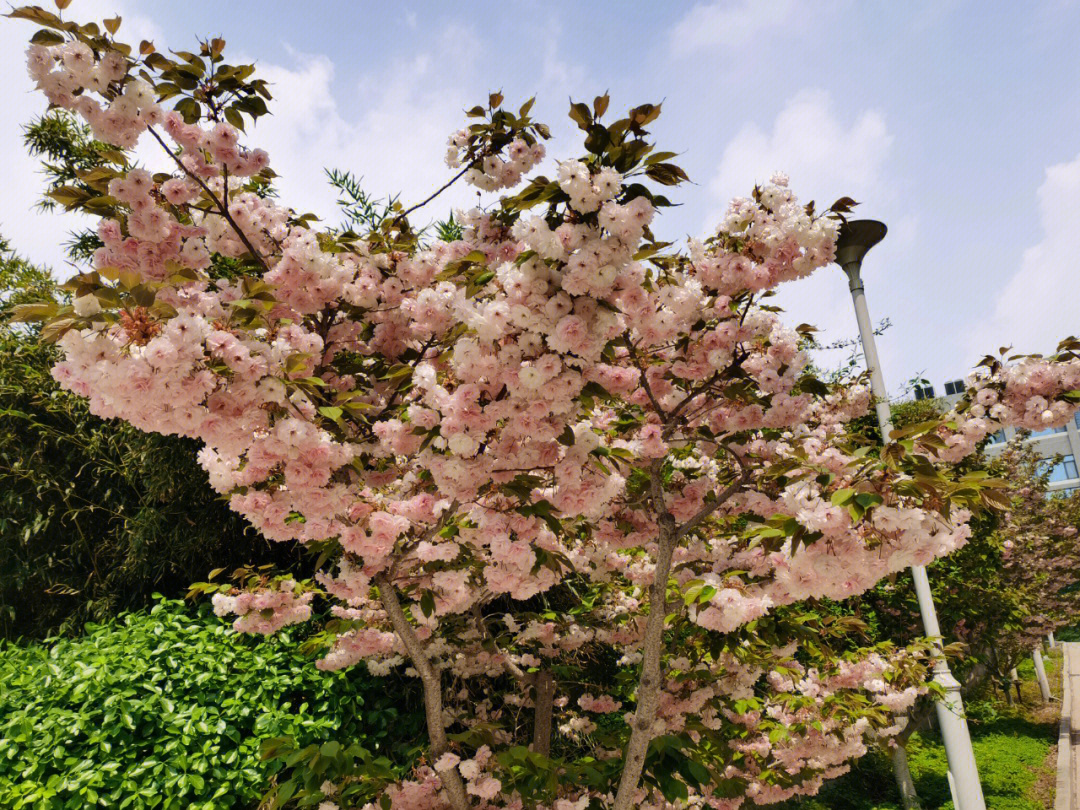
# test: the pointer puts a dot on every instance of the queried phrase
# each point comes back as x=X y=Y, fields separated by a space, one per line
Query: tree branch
x=712 y=506
x=222 y=209
x=543 y=682
x=512 y=669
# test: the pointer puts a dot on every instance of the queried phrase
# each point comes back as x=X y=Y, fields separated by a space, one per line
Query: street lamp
x=855 y=240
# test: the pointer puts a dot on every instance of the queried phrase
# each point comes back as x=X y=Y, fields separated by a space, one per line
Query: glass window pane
x=1064 y=470
x=1047 y=432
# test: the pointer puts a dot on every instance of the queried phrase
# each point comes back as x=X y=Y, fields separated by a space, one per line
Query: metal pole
x=1050 y=640
x=952 y=788
x=1040 y=674
x=950 y=710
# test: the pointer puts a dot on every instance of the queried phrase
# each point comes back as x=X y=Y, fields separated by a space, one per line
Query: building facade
x=1059 y=446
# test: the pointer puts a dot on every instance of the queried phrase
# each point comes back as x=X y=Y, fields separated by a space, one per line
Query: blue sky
x=957 y=123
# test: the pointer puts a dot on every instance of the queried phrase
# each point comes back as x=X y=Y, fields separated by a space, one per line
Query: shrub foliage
x=169 y=709
x=95 y=515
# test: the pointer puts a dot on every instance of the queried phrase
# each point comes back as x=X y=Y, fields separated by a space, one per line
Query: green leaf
x=233 y=116
x=666 y=173
x=47 y=37
x=427 y=603
x=580 y=115
x=868 y=499
x=842 y=496
x=331 y=412
x=38 y=15
x=190 y=109
x=24 y=313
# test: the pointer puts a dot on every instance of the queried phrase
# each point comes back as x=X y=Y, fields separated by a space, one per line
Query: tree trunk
x=648 y=691
x=904 y=782
x=998 y=677
x=545 y=703
x=432 y=682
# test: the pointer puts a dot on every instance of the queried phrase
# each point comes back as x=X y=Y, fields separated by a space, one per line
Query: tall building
x=1049 y=444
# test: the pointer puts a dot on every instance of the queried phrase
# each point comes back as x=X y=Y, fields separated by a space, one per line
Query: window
x=1066 y=492
x=1064 y=470
x=997 y=438
x=924 y=392
x=1076 y=419
x=953 y=387
x=1048 y=432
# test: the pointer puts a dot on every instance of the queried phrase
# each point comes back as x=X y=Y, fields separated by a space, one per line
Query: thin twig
x=644 y=379
x=511 y=668
x=435 y=194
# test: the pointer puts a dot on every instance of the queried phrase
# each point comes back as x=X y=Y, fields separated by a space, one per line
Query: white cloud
x=391 y=130
x=825 y=157
x=1038 y=305
x=727 y=23
x=391 y=127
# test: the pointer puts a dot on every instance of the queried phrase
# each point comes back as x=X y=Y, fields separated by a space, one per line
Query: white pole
x=1050 y=640
x=1040 y=674
x=952 y=788
x=950 y=710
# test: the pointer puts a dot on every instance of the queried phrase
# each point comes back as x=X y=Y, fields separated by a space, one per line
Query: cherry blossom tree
x=578 y=481
x=1012 y=583
x=1039 y=563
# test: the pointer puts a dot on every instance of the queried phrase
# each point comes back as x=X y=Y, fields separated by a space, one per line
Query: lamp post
x=855 y=239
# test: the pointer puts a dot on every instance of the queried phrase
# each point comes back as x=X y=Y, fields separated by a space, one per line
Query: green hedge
x=168 y=709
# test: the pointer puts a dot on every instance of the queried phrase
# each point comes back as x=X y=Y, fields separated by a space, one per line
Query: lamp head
x=856 y=237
